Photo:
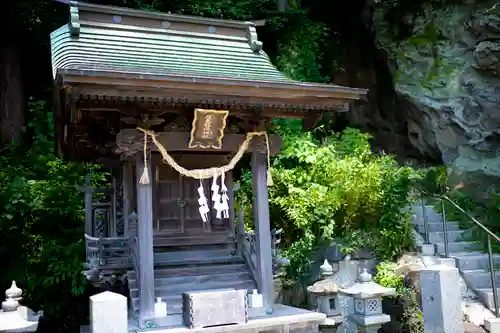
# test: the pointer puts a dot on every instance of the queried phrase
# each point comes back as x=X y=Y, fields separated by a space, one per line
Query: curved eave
x=302 y=94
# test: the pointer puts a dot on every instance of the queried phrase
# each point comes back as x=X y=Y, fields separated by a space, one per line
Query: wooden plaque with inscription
x=208 y=128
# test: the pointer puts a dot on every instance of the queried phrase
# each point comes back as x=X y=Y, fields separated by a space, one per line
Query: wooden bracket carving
x=74 y=21
x=145 y=121
x=255 y=44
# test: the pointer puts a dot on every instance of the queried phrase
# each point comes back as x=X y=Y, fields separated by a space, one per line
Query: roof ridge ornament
x=74 y=21
x=255 y=44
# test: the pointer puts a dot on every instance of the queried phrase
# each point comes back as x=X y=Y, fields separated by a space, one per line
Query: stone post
x=441 y=304
x=108 y=313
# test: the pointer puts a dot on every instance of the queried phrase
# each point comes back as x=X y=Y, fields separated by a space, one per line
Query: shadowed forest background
x=333 y=184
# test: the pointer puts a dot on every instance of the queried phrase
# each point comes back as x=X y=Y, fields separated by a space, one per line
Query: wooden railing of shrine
x=247 y=245
x=105 y=257
x=109 y=258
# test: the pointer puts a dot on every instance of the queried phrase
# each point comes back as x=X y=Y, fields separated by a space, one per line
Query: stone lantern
x=325 y=297
x=367 y=297
x=14 y=317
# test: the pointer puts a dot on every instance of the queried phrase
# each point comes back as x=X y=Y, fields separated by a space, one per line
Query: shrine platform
x=283 y=319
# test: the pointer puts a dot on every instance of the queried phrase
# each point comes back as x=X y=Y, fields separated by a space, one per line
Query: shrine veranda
x=170 y=104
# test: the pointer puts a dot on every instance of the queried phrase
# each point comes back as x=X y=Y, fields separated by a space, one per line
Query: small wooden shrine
x=171 y=103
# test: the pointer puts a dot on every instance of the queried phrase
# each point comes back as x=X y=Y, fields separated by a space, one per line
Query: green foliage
x=337 y=190
x=411 y=318
x=387 y=277
x=299 y=47
x=231 y=9
x=42 y=225
x=433 y=181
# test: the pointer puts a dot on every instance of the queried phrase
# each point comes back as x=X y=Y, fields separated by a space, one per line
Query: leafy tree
x=339 y=191
x=41 y=226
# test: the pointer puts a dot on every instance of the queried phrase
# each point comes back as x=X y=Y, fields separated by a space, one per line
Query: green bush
x=42 y=227
x=387 y=277
x=408 y=312
x=336 y=190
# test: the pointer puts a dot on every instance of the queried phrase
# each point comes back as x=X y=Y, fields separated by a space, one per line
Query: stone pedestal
x=441 y=304
x=427 y=249
x=108 y=313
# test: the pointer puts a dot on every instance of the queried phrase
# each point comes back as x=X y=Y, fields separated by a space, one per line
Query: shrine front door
x=175 y=201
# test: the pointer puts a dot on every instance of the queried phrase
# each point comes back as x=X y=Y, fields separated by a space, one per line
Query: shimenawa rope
x=203 y=173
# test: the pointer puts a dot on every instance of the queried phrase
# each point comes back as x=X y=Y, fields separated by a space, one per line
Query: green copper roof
x=96 y=40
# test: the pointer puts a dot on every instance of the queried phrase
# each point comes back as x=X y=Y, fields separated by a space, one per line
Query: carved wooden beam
x=228 y=99
x=154 y=108
x=130 y=141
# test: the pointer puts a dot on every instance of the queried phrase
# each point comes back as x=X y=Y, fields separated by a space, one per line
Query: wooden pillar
x=112 y=232
x=230 y=194
x=127 y=195
x=262 y=228
x=145 y=235
x=89 y=214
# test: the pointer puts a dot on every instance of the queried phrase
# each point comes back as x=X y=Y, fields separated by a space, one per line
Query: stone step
x=245 y=282
x=480 y=278
x=194 y=270
x=183 y=258
x=179 y=281
x=455 y=247
x=475 y=260
x=173 y=296
x=437 y=226
x=215 y=238
x=453 y=236
x=486 y=296
x=430 y=213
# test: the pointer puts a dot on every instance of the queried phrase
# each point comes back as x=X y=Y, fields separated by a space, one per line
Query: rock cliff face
x=446 y=103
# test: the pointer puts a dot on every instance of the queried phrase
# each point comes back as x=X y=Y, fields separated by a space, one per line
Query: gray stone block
x=441 y=303
x=427 y=249
x=492 y=325
x=214 y=307
x=451 y=262
x=108 y=313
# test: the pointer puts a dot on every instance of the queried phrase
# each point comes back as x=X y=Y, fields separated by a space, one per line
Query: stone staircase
x=196 y=268
x=471 y=260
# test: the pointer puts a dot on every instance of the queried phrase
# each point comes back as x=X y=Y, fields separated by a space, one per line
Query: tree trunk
x=11 y=95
